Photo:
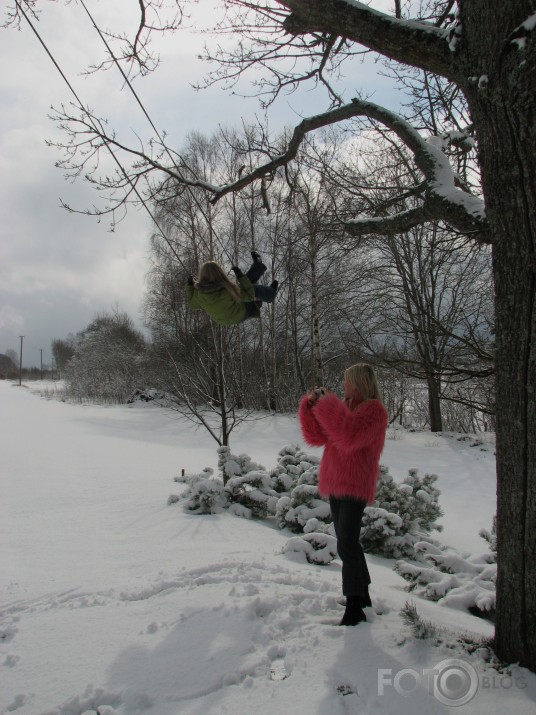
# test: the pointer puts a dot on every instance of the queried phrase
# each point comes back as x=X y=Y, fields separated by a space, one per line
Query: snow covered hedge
x=460 y=581
x=397 y=525
x=402 y=515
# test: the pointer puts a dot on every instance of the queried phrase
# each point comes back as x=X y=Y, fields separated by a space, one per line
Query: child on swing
x=224 y=301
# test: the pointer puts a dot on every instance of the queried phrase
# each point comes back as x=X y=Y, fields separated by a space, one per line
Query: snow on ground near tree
x=111 y=599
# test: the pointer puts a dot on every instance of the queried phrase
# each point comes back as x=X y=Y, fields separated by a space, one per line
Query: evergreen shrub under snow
x=318 y=548
x=465 y=582
x=397 y=525
x=402 y=515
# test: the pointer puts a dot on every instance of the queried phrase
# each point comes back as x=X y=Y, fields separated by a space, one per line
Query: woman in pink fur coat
x=352 y=432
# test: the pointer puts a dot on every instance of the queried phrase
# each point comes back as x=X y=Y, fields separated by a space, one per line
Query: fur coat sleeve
x=312 y=432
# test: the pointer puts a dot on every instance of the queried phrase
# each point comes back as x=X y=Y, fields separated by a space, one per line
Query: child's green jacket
x=218 y=303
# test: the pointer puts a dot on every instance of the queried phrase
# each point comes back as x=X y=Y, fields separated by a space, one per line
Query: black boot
x=274 y=285
x=354 y=613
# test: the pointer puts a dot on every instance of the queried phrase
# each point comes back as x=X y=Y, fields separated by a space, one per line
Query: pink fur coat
x=353 y=441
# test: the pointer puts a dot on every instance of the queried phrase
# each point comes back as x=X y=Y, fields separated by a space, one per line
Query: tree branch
x=419 y=44
x=443 y=200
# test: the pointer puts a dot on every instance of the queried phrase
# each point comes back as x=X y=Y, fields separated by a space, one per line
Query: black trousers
x=347 y=514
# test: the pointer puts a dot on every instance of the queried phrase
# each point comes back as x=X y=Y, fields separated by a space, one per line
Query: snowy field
x=113 y=601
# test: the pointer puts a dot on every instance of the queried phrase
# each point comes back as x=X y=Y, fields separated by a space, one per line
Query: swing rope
x=154 y=128
x=114 y=156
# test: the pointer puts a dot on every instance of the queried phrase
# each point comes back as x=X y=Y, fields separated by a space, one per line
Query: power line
x=94 y=125
x=146 y=113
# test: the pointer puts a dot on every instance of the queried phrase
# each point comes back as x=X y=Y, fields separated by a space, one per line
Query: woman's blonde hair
x=361 y=377
x=211 y=272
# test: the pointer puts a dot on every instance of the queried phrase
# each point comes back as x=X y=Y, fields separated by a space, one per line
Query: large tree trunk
x=502 y=106
x=434 y=403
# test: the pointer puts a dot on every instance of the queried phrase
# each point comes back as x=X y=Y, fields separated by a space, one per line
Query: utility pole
x=20 y=361
x=41 y=349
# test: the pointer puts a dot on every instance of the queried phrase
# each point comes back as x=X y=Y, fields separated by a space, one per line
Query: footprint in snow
x=278 y=670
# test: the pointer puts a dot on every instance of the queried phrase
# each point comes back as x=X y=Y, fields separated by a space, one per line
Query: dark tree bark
x=434 y=403
x=503 y=110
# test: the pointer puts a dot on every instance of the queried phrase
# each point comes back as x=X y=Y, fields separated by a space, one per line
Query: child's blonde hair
x=361 y=377
x=211 y=272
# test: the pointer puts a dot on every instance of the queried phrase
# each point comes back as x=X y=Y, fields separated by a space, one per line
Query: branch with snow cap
x=522 y=32
x=412 y=42
x=443 y=200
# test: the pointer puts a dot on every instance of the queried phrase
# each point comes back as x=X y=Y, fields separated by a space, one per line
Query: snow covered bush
x=207 y=496
x=319 y=548
x=303 y=510
x=254 y=492
x=231 y=465
x=300 y=507
x=460 y=581
x=109 y=360
x=294 y=467
x=204 y=495
x=145 y=395
x=402 y=514
x=250 y=494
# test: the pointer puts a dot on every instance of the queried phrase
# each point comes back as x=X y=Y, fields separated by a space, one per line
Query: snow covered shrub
x=109 y=360
x=253 y=491
x=465 y=582
x=303 y=510
x=491 y=538
x=402 y=514
x=319 y=548
x=294 y=467
x=205 y=494
x=146 y=395
x=231 y=465
x=382 y=531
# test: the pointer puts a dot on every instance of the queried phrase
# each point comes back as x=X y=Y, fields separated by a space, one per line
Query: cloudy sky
x=57 y=270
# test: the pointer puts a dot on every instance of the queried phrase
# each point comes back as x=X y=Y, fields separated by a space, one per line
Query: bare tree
x=109 y=360
x=424 y=309
x=62 y=352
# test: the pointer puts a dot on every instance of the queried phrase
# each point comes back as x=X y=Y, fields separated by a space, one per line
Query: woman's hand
x=316 y=394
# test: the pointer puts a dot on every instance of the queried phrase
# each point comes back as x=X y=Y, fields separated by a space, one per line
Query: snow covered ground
x=111 y=600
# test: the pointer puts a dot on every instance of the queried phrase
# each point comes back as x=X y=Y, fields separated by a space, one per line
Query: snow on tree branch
x=442 y=199
x=521 y=33
x=419 y=44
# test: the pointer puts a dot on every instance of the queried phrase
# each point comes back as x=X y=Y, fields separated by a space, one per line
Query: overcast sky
x=57 y=270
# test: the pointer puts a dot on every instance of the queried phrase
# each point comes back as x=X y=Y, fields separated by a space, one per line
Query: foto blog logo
x=452 y=682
